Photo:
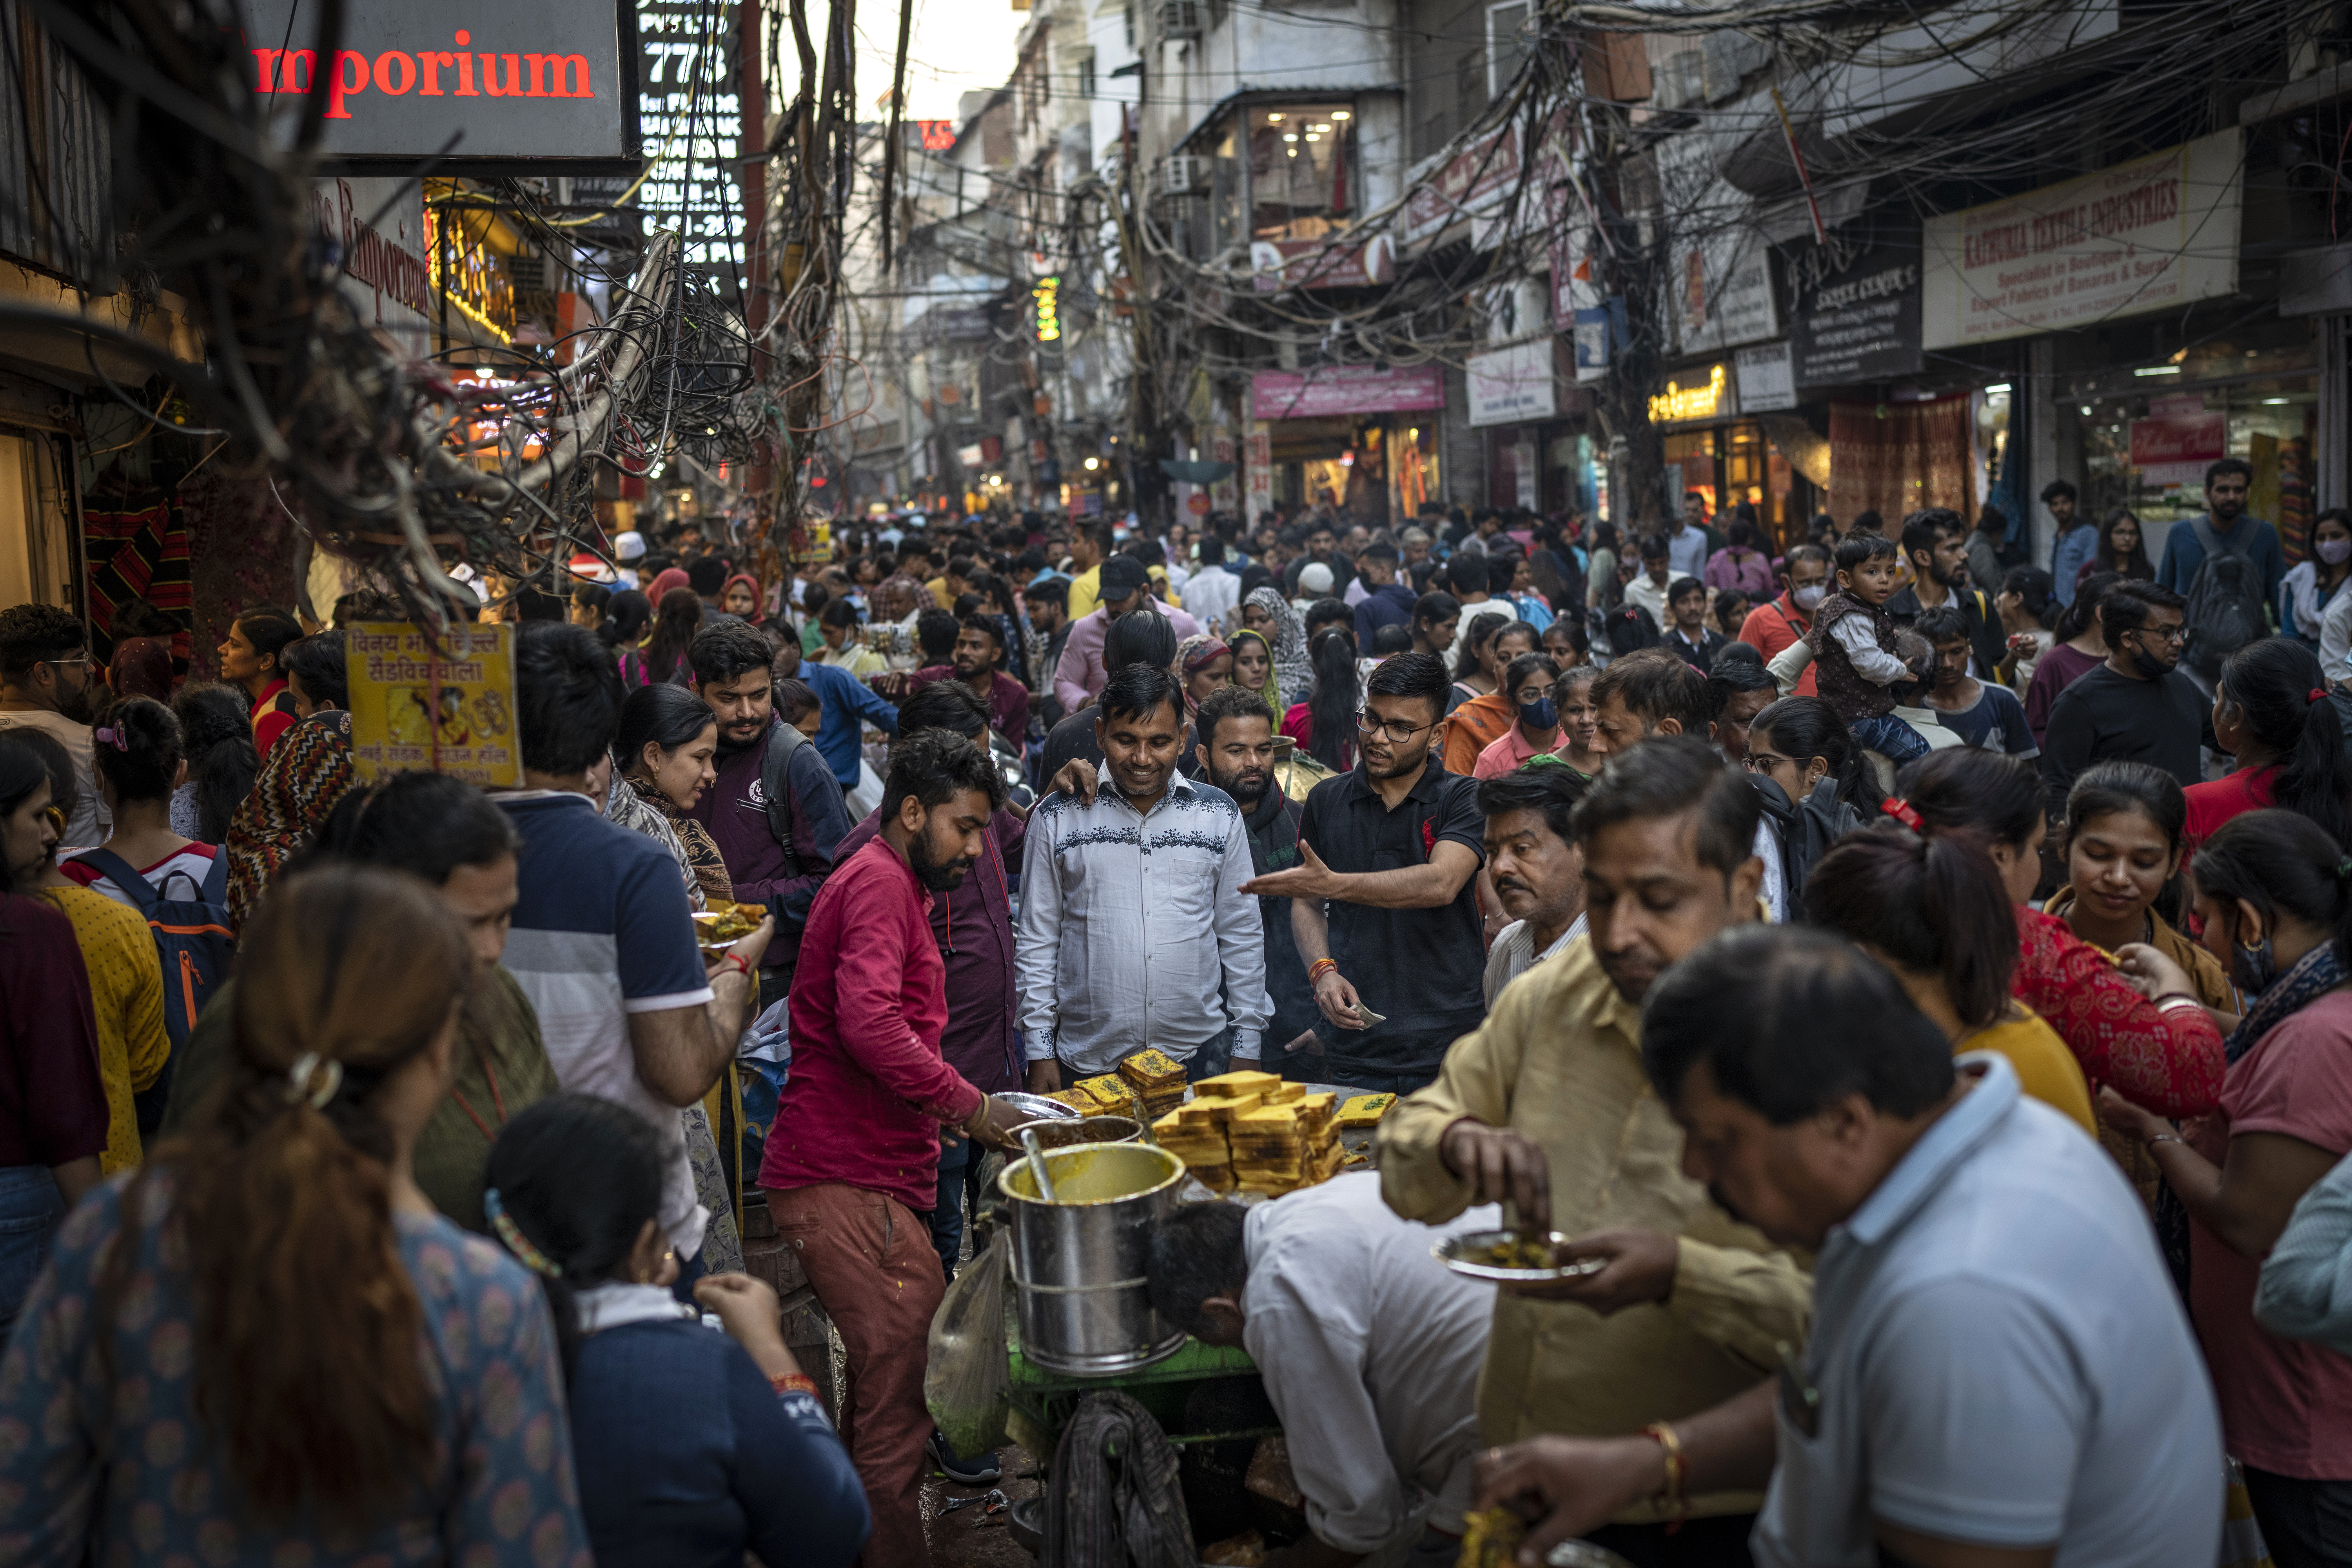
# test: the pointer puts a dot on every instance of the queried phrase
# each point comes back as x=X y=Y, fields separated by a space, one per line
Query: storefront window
x=1729 y=464
x=1301 y=169
x=1225 y=190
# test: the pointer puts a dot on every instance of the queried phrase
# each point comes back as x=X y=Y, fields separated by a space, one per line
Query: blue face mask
x=1541 y=715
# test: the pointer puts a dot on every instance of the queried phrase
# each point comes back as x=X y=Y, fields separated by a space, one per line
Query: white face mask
x=1806 y=597
x=2333 y=551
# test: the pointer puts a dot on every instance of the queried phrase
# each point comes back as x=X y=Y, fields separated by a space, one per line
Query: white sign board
x=2150 y=235
x=1512 y=383
x=1766 y=379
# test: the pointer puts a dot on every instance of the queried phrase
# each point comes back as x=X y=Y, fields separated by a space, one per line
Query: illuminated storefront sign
x=1685 y=399
x=470 y=276
x=1048 y=294
x=691 y=119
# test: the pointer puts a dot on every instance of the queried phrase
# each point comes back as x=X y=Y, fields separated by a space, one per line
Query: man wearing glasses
x=1384 y=905
x=45 y=684
x=2135 y=708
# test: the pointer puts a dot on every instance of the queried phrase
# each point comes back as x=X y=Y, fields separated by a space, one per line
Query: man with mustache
x=1545 y=1107
x=1133 y=935
x=1235 y=752
x=852 y=1163
x=1536 y=867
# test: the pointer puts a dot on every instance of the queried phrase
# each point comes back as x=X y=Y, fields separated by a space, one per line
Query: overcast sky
x=958 y=46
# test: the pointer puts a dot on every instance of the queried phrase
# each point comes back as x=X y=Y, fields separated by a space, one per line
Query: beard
x=940 y=874
x=1247 y=787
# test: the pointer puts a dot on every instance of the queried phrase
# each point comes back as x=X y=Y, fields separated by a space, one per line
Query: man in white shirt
x=1211 y=594
x=1535 y=865
x=47 y=676
x=1648 y=587
x=1369 y=1348
x=1687 y=544
x=1998 y=1373
x=1134 y=935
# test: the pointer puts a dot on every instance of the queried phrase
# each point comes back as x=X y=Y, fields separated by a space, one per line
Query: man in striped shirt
x=1134 y=934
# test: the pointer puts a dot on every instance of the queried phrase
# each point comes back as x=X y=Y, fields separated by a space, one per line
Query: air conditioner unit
x=1181 y=172
x=1179 y=20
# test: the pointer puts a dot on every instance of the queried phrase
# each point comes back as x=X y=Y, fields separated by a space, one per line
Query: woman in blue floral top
x=266 y=1347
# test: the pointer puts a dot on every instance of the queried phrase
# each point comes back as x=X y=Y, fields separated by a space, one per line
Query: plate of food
x=1513 y=1256
x=723 y=925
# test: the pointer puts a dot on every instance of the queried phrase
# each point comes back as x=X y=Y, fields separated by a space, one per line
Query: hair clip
x=113 y=736
x=1903 y=812
x=311 y=1064
x=511 y=1235
x=2316 y=694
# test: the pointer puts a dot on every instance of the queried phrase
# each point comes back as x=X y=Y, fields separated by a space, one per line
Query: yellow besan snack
x=1229 y=1085
x=1365 y=1110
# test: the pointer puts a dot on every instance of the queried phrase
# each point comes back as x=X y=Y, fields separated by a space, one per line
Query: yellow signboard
x=451 y=711
x=1708 y=399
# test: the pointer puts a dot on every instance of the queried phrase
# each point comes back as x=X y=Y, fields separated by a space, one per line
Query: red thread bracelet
x=793 y=1383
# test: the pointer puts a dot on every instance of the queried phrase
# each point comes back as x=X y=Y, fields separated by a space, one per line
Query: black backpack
x=2225 y=603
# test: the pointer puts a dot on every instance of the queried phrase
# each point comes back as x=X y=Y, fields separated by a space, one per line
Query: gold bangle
x=1671 y=1501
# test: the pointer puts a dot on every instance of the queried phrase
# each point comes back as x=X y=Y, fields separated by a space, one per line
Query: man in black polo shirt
x=1384 y=905
x=2138 y=707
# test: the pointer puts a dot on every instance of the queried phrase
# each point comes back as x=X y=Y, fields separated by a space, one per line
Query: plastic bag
x=967 y=1383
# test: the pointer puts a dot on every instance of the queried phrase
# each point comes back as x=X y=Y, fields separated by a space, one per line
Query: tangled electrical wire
x=395 y=464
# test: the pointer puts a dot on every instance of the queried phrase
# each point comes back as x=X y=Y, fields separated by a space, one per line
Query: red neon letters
x=395 y=73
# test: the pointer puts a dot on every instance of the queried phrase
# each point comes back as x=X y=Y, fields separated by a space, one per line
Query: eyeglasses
x=62 y=663
x=1763 y=762
x=1397 y=733
x=2168 y=634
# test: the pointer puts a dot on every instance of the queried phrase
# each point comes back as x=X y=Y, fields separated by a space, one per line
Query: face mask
x=2335 y=551
x=1542 y=715
x=1808 y=597
x=2147 y=664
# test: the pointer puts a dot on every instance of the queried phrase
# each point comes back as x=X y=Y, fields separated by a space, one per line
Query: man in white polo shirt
x=2000 y=1375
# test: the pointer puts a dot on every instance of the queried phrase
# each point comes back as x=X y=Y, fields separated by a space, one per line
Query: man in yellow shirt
x=1545 y=1106
x=1090 y=547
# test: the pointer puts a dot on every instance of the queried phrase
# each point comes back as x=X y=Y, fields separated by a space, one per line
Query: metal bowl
x=1583 y=1554
x=1026 y=1519
x=1462 y=1253
x=1058 y=1134
x=1038 y=1106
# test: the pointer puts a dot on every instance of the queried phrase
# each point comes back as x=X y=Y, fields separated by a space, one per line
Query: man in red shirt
x=1773 y=625
x=852 y=1163
x=980 y=666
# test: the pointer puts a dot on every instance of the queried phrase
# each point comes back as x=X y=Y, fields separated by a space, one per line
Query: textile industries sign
x=1854 y=321
x=451 y=712
x=522 y=79
x=2150 y=235
x=1345 y=389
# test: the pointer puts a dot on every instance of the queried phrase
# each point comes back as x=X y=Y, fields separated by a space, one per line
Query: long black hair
x=2083 y=613
x=568 y=1188
x=2134 y=565
x=2280 y=860
x=1807 y=727
x=666 y=716
x=216 y=733
x=2277 y=689
x=1965 y=789
x=681 y=618
x=425 y=824
x=1934 y=905
x=1468 y=640
x=625 y=615
x=21 y=772
x=1331 y=705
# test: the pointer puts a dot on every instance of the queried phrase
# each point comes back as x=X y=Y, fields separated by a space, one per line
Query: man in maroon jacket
x=852 y=1163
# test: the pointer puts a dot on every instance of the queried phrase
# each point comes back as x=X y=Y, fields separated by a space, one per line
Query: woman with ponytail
x=2158 y=1049
x=2275 y=894
x=2270 y=712
x=266 y=1347
x=1933 y=911
x=692 y=1447
x=1324 y=725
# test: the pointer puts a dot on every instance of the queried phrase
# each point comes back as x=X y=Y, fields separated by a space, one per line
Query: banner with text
x=2153 y=233
x=450 y=710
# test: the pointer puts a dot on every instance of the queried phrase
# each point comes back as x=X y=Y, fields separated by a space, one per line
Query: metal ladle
x=1037 y=1165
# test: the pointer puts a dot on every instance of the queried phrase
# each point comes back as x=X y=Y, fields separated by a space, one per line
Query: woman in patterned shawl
x=1267 y=612
x=302 y=780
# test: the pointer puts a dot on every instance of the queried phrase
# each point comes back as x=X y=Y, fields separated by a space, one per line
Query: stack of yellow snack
x=1365 y=1110
x=1157 y=1081
x=1253 y=1131
x=1106 y=1095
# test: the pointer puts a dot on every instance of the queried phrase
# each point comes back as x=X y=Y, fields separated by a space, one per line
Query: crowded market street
x=1371 y=785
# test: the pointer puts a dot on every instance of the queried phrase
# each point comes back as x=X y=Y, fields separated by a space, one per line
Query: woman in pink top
x=1741 y=565
x=2274 y=893
x=1546 y=725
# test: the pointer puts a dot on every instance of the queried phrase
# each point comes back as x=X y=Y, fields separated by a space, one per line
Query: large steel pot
x=1079 y=1264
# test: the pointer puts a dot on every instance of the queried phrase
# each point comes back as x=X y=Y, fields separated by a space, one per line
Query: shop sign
x=1345 y=389
x=1763 y=378
x=936 y=135
x=2153 y=233
x=1048 y=297
x=524 y=78
x=1480 y=177
x=1279 y=264
x=691 y=120
x=379 y=267
x=1855 y=320
x=1719 y=286
x=1705 y=392
x=450 y=710
x=1221 y=448
x=1512 y=383
x=2173 y=445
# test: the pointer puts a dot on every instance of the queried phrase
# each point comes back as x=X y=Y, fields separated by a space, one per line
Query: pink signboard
x=2180 y=438
x=1345 y=389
